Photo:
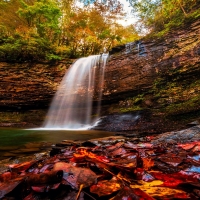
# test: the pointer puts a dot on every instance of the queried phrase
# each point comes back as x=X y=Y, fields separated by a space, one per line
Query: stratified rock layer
x=139 y=64
x=29 y=85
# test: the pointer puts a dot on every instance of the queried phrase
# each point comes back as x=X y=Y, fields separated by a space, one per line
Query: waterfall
x=71 y=107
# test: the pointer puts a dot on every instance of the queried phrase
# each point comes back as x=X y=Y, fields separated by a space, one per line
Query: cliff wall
x=156 y=73
x=29 y=85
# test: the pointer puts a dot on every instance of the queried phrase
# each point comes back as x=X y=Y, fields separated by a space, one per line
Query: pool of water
x=15 y=142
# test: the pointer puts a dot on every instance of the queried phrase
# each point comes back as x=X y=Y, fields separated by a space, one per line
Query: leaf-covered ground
x=113 y=168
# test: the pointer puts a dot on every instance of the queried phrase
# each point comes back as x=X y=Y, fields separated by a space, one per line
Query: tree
x=43 y=16
x=30 y=29
x=48 y=29
x=90 y=29
x=157 y=15
x=9 y=19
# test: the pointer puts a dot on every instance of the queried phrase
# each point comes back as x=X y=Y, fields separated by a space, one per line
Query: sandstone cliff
x=29 y=85
x=157 y=73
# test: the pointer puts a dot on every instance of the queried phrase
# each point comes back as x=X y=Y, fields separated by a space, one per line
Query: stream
x=19 y=142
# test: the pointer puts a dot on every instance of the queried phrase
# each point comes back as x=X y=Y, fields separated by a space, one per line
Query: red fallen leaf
x=145 y=145
x=130 y=155
x=51 y=177
x=138 y=146
x=165 y=167
x=45 y=188
x=82 y=153
x=39 y=188
x=171 y=159
x=118 y=152
x=80 y=175
x=151 y=152
x=168 y=179
x=196 y=148
x=106 y=187
x=173 y=180
x=7 y=187
x=127 y=193
x=21 y=167
x=172 y=183
x=189 y=175
x=148 y=163
x=78 y=157
x=127 y=160
x=55 y=186
x=160 y=176
x=149 y=138
x=116 y=146
x=130 y=145
x=6 y=176
x=98 y=158
x=139 y=172
x=189 y=146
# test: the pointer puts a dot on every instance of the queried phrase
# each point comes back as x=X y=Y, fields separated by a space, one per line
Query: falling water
x=71 y=107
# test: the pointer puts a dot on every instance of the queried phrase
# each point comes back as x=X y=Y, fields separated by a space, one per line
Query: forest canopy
x=32 y=30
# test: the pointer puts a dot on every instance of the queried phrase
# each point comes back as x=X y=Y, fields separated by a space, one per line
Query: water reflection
x=9 y=137
x=17 y=142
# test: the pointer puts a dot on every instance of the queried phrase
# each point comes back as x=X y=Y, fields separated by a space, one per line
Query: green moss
x=10 y=117
x=134 y=108
x=190 y=105
x=138 y=99
x=20 y=117
x=168 y=95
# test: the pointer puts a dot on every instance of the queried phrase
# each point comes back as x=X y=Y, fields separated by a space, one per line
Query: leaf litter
x=112 y=168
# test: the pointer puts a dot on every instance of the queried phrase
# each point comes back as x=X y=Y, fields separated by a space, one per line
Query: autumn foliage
x=52 y=30
x=109 y=168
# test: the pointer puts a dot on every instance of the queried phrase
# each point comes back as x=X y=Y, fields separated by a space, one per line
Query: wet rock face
x=138 y=123
x=136 y=67
x=119 y=122
x=29 y=85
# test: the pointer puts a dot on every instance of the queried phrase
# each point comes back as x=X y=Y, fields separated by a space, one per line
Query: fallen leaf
x=8 y=186
x=189 y=146
x=118 y=152
x=51 y=177
x=127 y=193
x=21 y=167
x=148 y=163
x=154 y=189
x=78 y=175
x=106 y=187
x=114 y=147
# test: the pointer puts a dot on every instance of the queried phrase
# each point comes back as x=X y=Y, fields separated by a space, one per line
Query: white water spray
x=71 y=107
